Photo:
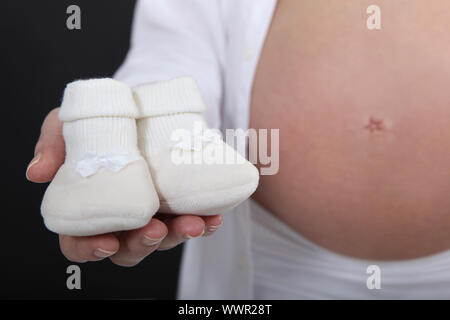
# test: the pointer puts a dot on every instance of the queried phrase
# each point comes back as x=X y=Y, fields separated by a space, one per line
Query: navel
x=375 y=125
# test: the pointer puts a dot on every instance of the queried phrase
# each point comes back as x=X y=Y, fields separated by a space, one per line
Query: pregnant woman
x=364 y=172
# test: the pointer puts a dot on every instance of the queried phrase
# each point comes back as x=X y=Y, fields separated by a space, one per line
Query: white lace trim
x=91 y=163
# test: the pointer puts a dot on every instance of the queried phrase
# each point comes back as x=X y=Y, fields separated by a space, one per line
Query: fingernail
x=100 y=253
x=32 y=163
x=212 y=228
x=188 y=236
x=147 y=241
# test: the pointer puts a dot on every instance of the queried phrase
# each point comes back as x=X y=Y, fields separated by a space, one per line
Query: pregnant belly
x=364 y=119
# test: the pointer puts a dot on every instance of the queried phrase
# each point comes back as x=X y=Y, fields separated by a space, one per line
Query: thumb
x=49 y=151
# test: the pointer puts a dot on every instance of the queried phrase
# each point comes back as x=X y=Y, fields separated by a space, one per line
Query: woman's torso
x=364 y=117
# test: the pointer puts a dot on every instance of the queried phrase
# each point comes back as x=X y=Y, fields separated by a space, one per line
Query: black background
x=39 y=56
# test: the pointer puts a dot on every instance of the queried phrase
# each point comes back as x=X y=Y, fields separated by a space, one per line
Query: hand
x=125 y=248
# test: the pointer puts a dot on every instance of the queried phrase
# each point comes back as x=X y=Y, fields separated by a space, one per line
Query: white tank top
x=288 y=266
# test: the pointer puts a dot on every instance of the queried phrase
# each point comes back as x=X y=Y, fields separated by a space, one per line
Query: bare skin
x=123 y=248
x=364 y=120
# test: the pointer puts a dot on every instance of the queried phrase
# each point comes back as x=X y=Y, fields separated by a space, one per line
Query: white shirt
x=218 y=42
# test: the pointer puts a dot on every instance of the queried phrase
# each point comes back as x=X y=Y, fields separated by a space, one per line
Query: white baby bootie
x=104 y=184
x=193 y=169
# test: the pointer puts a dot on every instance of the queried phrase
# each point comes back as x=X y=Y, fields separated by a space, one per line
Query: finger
x=93 y=248
x=212 y=224
x=182 y=228
x=137 y=244
x=49 y=151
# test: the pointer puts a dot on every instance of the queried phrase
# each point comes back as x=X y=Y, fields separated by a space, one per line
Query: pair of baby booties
x=133 y=152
